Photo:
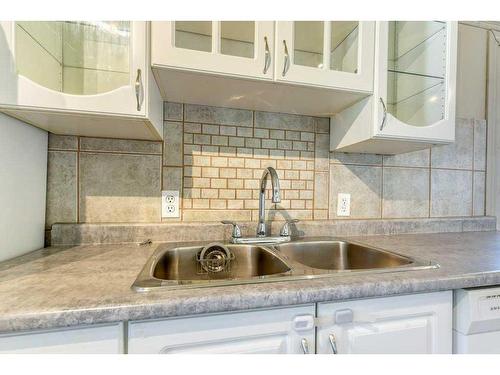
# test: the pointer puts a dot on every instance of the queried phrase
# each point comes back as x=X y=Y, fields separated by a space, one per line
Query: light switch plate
x=170 y=203
x=344 y=204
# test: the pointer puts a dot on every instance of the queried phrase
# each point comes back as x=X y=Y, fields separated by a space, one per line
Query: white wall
x=23 y=180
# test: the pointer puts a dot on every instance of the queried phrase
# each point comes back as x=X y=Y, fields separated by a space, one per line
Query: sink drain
x=215 y=258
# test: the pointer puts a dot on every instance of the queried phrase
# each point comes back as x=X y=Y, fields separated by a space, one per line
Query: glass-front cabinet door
x=82 y=66
x=239 y=48
x=333 y=54
x=417 y=75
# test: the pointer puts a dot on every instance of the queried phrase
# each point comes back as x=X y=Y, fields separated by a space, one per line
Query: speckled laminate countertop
x=60 y=287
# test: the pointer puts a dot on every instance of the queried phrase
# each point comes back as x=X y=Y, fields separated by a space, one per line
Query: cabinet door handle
x=385 y=114
x=333 y=343
x=286 y=63
x=267 y=61
x=305 y=346
x=138 y=89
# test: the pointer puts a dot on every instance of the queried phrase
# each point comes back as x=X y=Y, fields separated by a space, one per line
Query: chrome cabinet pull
x=267 y=61
x=305 y=346
x=385 y=114
x=286 y=64
x=138 y=89
x=333 y=343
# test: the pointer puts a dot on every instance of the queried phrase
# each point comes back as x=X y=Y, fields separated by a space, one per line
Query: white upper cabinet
x=413 y=105
x=98 y=72
x=239 y=48
x=312 y=68
x=334 y=54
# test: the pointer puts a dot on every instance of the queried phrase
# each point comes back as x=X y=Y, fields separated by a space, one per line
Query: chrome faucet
x=262 y=237
x=275 y=198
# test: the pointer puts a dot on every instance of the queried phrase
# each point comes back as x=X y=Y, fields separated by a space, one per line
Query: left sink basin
x=179 y=266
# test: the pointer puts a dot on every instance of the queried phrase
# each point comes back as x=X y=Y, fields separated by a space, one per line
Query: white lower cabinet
x=411 y=324
x=285 y=330
x=102 y=339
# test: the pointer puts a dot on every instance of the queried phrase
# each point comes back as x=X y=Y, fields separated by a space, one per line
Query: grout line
x=78 y=181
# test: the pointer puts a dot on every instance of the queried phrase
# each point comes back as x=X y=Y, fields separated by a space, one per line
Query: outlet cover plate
x=170 y=203
x=344 y=204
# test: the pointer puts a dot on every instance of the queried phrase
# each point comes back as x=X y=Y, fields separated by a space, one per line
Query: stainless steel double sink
x=178 y=267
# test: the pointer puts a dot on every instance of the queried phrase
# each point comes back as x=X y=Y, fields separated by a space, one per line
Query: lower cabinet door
x=103 y=339
x=284 y=330
x=413 y=324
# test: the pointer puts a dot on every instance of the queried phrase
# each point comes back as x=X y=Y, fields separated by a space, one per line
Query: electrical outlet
x=170 y=203
x=344 y=204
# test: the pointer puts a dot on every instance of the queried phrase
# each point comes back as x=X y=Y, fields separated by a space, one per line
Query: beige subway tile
x=217 y=215
x=309 y=185
x=252 y=163
x=188 y=138
x=310 y=146
x=227 y=130
x=218 y=204
x=251 y=184
x=309 y=204
x=188 y=160
x=257 y=173
x=236 y=141
x=192 y=149
x=244 y=132
x=284 y=164
x=251 y=203
x=269 y=143
x=307 y=194
x=235 y=204
x=297 y=204
x=188 y=182
x=299 y=164
x=292 y=175
x=292 y=155
x=285 y=145
x=209 y=150
x=244 y=194
x=277 y=154
x=252 y=142
x=281 y=174
x=219 y=183
x=192 y=128
x=236 y=162
x=234 y=184
x=119 y=188
x=219 y=161
x=310 y=165
x=187 y=203
x=292 y=135
x=227 y=172
x=298 y=184
x=210 y=172
x=268 y=163
x=277 y=134
x=307 y=155
x=191 y=193
x=199 y=203
x=244 y=152
x=307 y=137
x=227 y=193
x=172 y=178
x=261 y=133
x=306 y=175
x=227 y=151
x=244 y=173
x=201 y=182
x=291 y=194
x=201 y=139
x=203 y=161
x=261 y=153
x=172 y=143
x=220 y=140
x=210 y=129
x=285 y=184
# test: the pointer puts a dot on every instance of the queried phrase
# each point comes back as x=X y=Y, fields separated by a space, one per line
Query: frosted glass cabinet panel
x=238 y=48
x=337 y=54
x=50 y=70
x=80 y=58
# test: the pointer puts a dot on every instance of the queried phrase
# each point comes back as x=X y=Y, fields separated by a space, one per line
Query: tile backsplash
x=215 y=157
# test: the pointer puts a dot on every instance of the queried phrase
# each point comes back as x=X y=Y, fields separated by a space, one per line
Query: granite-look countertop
x=59 y=287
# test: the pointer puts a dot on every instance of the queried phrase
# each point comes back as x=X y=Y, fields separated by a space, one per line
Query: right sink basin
x=340 y=255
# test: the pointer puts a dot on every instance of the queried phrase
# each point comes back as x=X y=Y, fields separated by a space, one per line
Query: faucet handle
x=285 y=229
x=236 y=229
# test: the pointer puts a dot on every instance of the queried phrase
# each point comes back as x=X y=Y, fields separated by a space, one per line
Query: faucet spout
x=275 y=198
